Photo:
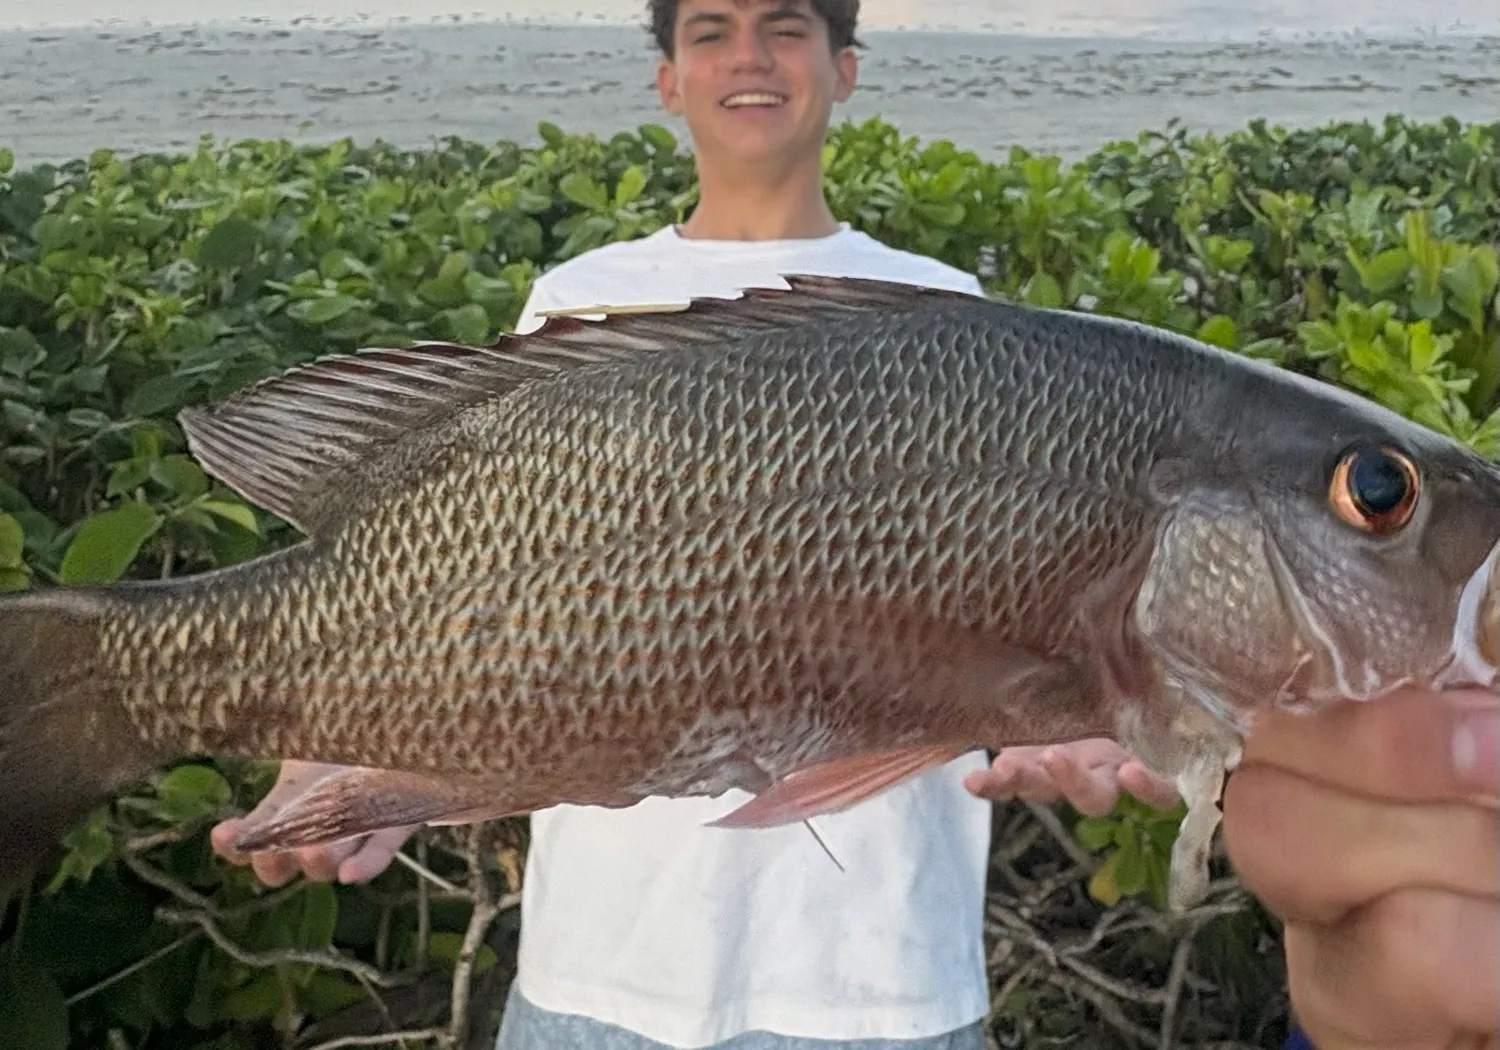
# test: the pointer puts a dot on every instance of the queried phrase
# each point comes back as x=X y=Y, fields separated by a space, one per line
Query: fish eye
x=1375 y=489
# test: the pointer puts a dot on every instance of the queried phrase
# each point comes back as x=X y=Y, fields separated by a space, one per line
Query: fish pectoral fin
x=832 y=787
x=360 y=801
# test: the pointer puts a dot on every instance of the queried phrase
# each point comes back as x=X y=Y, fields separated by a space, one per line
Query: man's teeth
x=754 y=98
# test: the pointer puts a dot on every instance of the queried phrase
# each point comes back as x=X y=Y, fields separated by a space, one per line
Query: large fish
x=806 y=543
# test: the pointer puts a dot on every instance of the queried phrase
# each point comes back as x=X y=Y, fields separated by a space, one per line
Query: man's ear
x=847 y=65
x=666 y=87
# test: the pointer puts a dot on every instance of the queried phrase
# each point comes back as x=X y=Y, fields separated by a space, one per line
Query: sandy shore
x=64 y=93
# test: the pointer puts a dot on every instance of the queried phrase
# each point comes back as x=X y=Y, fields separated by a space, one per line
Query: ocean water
x=1195 y=20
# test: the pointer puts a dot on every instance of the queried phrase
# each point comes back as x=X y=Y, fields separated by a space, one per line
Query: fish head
x=1327 y=551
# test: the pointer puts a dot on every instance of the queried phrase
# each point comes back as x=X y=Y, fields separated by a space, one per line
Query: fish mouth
x=1475 y=658
x=1325 y=675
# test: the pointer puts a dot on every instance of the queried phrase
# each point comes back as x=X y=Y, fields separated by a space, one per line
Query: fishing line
x=808 y=821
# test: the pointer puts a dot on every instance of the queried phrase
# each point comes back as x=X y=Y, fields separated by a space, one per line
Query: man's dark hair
x=842 y=17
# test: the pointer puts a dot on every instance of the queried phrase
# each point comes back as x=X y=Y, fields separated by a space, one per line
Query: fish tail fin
x=65 y=740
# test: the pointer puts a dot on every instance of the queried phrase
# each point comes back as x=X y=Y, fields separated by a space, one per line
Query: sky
x=1176 y=19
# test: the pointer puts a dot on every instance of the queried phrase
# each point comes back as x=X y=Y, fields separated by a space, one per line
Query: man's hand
x=1371 y=829
x=354 y=860
x=1088 y=773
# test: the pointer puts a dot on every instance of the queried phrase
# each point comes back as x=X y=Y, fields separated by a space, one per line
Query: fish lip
x=1473 y=660
x=781 y=97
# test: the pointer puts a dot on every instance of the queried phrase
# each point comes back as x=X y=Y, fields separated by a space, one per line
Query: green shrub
x=130 y=288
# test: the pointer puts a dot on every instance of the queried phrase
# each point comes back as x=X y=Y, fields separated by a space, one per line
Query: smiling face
x=756 y=80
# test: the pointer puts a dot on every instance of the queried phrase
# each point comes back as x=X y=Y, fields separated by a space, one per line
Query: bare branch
x=1049 y=820
x=330 y=960
x=1175 y=977
x=191 y=897
x=486 y=908
x=162 y=881
x=431 y=876
x=1108 y=1008
x=438 y=1035
x=169 y=837
x=133 y=968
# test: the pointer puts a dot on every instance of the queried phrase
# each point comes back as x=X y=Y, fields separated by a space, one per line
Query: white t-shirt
x=644 y=918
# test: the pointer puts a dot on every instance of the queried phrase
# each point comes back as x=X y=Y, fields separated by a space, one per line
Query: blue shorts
x=528 y=1027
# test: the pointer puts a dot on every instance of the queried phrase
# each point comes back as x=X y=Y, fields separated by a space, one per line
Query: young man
x=642 y=928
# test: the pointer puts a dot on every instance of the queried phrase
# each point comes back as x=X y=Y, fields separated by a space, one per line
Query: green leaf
x=24 y=455
x=447 y=287
x=323 y=310
x=659 y=137
x=21 y=418
x=107 y=543
x=1221 y=331
x=145 y=442
x=1094 y=833
x=258 y=999
x=444 y=948
x=238 y=513
x=33 y=1010
x=87 y=419
x=583 y=191
x=1384 y=271
x=468 y=324
x=12 y=580
x=191 y=792
x=12 y=541
x=631 y=183
x=159 y=394
x=180 y=476
x=320 y=915
x=1043 y=290
x=1486 y=438
x=1131 y=874
x=19 y=351
x=327 y=991
x=1423 y=349
x=127 y=476
x=1427 y=305
x=230 y=245
x=230 y=546
x=89 y=845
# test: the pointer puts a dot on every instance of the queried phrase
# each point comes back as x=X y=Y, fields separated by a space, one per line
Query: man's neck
x=745 y=206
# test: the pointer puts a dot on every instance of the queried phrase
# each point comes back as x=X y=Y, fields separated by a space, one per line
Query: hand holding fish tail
x=348 y=861
x=1371 y=830
x=1088 y=774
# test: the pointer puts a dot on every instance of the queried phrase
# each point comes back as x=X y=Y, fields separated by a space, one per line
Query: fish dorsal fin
x=276 y=441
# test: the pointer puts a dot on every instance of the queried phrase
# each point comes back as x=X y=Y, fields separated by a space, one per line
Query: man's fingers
x=1091 y=789
x=221 y=839
x=1398 y=747
x=1013 y=774
x=1412 y=964
x=275 y=869
x=1145 y=785
x=321 y=863
x=1349 y=849
x=374 y=856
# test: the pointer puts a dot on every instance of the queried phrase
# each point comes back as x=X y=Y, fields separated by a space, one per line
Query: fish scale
x=805 y=543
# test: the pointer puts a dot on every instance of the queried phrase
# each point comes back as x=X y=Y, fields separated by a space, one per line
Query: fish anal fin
x=360 y=801
x=832 y=787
